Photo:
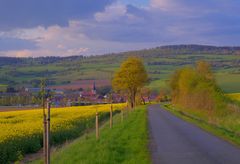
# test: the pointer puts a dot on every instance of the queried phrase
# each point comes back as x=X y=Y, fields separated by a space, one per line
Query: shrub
x=196 y=88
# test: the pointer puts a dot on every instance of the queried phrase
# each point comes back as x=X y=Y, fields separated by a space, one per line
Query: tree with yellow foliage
x=195 y=87
x=130 y=78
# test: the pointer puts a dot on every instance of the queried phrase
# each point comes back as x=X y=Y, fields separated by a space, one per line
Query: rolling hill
x=160 y=63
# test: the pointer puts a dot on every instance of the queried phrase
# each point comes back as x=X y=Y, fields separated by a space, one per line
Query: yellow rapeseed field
x=235 y=96
x=27 y=122
x=19 y=130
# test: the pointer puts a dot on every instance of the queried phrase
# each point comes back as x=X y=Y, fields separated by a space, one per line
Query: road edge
x=219 y=132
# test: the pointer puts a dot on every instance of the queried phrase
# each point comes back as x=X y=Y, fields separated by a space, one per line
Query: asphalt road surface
x=174 y=141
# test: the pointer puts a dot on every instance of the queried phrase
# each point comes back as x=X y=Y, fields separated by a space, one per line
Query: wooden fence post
x=48 y=131
x=97 y=128
x=43 y=85
x=44 y=133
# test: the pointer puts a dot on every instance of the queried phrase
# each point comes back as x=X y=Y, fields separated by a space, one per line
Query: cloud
x=116 y=12
x=67 y=41
x=120 y=26
x=112 y=12
x=163 y=4
x=137 y=3
x=29 y=13
x=17 y=53
x=185 y=7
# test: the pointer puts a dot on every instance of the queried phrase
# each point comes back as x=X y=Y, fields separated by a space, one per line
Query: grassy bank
x=125 y=143
x=226 y=127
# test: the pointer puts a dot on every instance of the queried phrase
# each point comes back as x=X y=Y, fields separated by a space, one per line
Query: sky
x=92 y=27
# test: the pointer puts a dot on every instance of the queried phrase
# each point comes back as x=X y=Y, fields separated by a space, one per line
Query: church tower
x=94 y=90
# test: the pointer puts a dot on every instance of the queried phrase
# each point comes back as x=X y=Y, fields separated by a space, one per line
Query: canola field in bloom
x=235 y=96
x=21 y=131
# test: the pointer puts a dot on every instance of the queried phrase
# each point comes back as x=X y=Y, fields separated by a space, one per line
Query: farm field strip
x=235 y=96
x=21 y=131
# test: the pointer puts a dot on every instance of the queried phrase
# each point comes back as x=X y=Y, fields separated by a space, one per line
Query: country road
x=174 y=141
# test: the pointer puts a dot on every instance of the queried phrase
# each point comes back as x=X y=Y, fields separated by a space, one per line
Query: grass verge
x=126 y=142
x=222 y=132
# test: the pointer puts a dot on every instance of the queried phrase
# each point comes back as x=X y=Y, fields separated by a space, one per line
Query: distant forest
x=163 y=50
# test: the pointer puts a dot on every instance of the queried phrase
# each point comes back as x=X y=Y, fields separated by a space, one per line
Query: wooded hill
x=160 y=63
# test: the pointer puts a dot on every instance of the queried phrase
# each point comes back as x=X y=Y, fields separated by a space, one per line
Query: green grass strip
x=126 y=142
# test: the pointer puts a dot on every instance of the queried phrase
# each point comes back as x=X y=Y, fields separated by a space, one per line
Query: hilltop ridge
x=160 y=63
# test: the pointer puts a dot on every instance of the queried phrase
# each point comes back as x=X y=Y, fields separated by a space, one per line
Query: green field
x=160 y=64
x=3 y=87
x=230 y=83
x=126 y=142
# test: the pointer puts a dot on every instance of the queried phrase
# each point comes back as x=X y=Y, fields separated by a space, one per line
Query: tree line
x=16 y=100
x=196 y=88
